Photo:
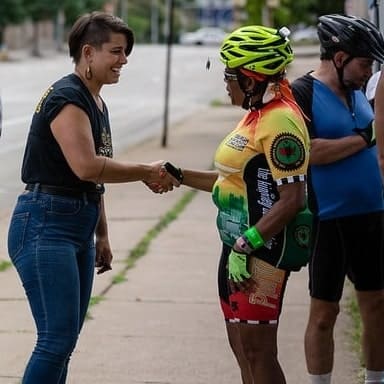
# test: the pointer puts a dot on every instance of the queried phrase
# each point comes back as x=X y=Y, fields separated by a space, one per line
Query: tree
x=74 y=8
x=324 y=7
x=62 y=12
x=69 y=11
x=11 y=11
x=254 y=10
x=37 y=11
x=293 y=11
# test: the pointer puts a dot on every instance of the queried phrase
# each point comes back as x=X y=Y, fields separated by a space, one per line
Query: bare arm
x=72 y=130
x=326 y=151
x=202 y=180
x=379 y=120
x=292 y=200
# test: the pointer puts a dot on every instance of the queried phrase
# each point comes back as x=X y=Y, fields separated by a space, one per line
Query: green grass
x=94 y=300
x=142 y=247
x=144 y=243
x=216 y=103
x=356 y=333
x=4 y=265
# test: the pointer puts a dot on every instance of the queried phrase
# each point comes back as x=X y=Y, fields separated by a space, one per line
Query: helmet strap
x=258 y=89
x=340 y=70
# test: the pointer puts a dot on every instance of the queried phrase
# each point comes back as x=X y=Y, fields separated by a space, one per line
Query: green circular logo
x=287 y=152
x=302 y=233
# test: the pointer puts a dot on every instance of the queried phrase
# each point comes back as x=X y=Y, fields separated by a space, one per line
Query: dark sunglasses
x=230 y=76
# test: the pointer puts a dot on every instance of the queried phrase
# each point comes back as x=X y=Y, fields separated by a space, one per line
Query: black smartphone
x=175 y=172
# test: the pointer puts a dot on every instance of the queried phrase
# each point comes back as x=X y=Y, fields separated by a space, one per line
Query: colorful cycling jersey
x=350 y=186
x=268 y=148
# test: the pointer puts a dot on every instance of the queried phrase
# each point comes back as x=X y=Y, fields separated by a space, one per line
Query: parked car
x=203 y=36
x=305 y=35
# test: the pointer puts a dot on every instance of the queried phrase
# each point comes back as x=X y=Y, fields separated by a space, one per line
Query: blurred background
x=157 y=90
x=43 y=24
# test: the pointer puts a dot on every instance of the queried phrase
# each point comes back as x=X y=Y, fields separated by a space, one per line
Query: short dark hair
x=95 y=29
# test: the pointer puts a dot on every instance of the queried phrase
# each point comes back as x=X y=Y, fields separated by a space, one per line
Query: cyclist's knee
x=323 y=314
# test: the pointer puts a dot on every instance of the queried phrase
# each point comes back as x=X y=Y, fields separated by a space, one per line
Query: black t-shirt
x=44 y=162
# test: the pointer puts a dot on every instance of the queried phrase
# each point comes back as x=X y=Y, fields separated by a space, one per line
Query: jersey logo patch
x=302 y=235
x=237 y=142
x=287 y=152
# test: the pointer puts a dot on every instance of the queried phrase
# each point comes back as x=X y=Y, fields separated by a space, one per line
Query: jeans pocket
x=16 y=233
x=64 y=206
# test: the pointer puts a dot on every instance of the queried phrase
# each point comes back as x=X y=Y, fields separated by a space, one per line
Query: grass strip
x=4 y=265
x=356 y=333
x=143 y=245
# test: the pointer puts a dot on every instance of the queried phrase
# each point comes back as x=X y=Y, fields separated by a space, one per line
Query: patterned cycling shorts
x=262 y=305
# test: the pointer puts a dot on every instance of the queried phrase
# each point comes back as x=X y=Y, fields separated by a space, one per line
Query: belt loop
x=36 y=190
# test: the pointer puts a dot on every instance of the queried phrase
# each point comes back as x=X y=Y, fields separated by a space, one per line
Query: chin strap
x=259 y=89
x=340 y=71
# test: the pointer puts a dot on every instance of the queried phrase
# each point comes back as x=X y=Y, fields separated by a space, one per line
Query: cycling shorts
x=347 y=247
x=260 y=306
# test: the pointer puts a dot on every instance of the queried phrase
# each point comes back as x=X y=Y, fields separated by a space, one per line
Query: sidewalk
x=162 y=324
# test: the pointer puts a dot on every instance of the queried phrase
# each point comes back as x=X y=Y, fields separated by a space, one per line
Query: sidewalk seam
x=141 y=248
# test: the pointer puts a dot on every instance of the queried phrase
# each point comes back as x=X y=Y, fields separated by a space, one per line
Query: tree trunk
x=36 y=40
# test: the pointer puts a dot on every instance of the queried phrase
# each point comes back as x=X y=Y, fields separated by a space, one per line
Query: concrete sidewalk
x=162 y=324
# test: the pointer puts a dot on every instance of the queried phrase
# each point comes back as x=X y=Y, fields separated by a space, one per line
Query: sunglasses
x=229 y=76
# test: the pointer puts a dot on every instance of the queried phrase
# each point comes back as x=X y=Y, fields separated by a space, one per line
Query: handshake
x=168 y=176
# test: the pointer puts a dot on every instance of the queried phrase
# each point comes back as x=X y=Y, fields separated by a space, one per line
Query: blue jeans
x=51 y=244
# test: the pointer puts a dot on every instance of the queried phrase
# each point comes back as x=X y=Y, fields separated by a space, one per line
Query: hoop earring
x=88 y=73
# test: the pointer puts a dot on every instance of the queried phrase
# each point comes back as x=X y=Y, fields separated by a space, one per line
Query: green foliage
x=254 y=10
x=11 y=11
x=323 y=7
x=293 y=11
x=139 y=18
x=74 y=8
x=39 y=10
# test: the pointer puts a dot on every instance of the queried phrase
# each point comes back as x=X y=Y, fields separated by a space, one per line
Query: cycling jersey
x=268 y=148
x=350 y=186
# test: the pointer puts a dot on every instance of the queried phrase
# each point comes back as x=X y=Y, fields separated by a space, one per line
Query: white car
x=203 y=36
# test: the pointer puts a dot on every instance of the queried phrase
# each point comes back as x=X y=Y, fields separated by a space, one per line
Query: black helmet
x=354 y=35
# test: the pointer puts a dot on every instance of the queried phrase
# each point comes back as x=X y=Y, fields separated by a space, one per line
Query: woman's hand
x=103 y=254
x=160 y=179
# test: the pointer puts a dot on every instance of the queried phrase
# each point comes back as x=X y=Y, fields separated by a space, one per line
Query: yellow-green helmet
x=256 y=48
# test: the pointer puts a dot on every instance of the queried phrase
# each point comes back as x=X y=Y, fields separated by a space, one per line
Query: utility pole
x=169 y=25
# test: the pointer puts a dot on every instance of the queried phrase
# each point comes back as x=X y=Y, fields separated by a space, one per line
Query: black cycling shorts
x=349 y=246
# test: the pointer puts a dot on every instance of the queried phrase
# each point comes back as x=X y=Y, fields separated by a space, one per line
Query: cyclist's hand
x=368 y=134
x=237 y=267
